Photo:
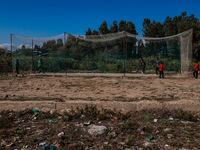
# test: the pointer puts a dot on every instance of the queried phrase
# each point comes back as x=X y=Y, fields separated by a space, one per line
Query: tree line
x=89 y=55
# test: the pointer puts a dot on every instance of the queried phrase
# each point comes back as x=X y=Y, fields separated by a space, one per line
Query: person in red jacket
x=195 y=73
x=161 y=68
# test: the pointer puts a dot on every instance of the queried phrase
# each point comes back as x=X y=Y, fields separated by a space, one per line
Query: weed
x=20 y=131
x=131 y=141
x=175 y=144
x=4 y=123
x=184 y=115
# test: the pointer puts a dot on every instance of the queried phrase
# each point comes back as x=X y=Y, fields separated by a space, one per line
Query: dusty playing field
x=144 y=90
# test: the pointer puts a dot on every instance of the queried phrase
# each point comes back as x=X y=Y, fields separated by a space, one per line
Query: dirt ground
x=138 y=112
x=135 y=89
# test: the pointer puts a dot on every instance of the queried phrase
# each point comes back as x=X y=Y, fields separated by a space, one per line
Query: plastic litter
x=51 y=112
x=56 y=120
x=141 y=132
x=170 y=119
x=47 y=147
x=43 y=143
x=61 y=134
x=19 y=121
x=115 y=118
x=35 y=111
x=150 y=138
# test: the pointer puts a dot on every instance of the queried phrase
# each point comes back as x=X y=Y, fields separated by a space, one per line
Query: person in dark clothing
x=17 y=66
x=143 y=64
x=157 y=65
x=40 y=66
x=195 y=73
x=161 y=68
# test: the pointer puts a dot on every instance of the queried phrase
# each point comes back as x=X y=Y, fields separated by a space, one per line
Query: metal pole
x=65 y=51
x=192 y=43
x=11 y=52
x=32 y=56
x=124 y=51
x=180 y=57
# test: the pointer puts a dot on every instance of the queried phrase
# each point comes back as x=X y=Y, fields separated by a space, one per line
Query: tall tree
x=114 y=27
x=88 y=32
x=122 y=26
x=103 y=29
x=95 y=32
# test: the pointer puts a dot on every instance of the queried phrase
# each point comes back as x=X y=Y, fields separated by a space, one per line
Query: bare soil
x=141 y=90
x=126 y=106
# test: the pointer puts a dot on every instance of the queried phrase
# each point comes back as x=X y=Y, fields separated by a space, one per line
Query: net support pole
x=192 y=43
x=32 y=57
x=124 y=51
x=11 y=52
x=180 y=58
x=126 y=54
x=65 y=51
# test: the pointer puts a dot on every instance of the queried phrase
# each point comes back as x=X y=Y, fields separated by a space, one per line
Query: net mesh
x=116 y=52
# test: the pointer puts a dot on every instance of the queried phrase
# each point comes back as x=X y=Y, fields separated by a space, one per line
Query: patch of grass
x=130 y=141
x=5 y=123
x=176 y=144
x=20 y=131
x=130 y=127
x=184 y=115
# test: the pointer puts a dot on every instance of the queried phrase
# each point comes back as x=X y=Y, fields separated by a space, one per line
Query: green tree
x=114 y=27
x=95 y=32
x=103 y=29
x=88 y=32
x=122 y=26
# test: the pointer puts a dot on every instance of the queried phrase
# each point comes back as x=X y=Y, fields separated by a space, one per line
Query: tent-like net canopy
x=116 y=52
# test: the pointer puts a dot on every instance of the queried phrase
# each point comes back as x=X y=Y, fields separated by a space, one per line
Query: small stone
x=146 y=144
x=167 y=129
x=169 y=136
x=155 y=120
x=106 y=143
x=96 y=130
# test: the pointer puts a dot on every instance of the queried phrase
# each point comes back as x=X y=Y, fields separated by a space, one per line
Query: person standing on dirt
x=17 y=66
x=161 y=70
x=157 y=65
x=195 y=73
x=143 y=64
x=40 y=66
